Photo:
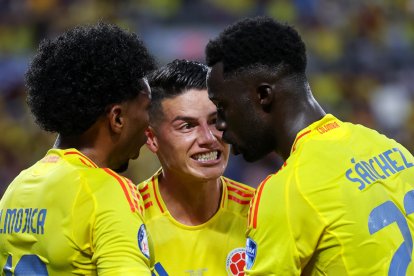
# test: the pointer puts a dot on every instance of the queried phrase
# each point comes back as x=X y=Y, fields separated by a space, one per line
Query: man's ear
x=116 y=119
x=152 y=141
x=265 y=95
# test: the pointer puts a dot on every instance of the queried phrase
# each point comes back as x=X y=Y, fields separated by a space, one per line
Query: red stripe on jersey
x=281 y=167
x=84 y=156
x=146 y=196
x=297 y=139
x=88 y=165
x=138 y=195
x=148 y=204
x=155 y=193
x=141 y=208
x=224 y=196
x=124 y=188
x=250 y=213
x=242 y=202
x=257 y=201
x=236 y=184
x=133 y=190
x=239 y=192
x=143 y=189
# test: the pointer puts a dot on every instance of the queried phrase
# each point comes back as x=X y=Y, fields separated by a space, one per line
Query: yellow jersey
x=342 y=204
x=216 y=247
x=66 y=216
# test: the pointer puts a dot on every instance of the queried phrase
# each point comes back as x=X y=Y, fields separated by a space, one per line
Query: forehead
x=220 y=88
x=193 y=103
x=215 y=80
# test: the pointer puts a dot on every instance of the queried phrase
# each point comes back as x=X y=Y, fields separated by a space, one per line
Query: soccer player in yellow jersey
x=197 y=217
x=71 y=213
x=343 y=202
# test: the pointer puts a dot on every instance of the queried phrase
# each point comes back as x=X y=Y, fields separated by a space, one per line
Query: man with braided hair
x=71 y=212
x=343 y=202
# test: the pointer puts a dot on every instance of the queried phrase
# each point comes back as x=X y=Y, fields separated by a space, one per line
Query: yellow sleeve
x=283 y=229
x=119 y=237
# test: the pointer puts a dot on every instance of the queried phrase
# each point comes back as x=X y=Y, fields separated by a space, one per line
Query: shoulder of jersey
x=129 y=189
x=238 y=193
x=104 y=182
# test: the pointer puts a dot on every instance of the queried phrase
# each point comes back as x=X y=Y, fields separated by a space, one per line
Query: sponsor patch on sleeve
x=143 y=241
x=251 y=250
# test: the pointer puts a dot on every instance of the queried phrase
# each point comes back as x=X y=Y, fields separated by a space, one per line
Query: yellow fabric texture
x=213 y=248
x=342 y=204
x=66 y=216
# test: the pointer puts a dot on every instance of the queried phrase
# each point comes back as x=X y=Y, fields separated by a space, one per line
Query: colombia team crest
x=235 y=262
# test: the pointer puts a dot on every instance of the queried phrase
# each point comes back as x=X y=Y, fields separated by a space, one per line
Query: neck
x=191 y=202
x=84 y=145
x=305 y=112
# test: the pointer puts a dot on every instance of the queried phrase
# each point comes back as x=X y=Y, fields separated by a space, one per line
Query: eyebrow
x=188 y=118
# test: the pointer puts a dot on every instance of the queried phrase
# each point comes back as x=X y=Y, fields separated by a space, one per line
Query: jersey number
x=384 y=215
x=27 y=265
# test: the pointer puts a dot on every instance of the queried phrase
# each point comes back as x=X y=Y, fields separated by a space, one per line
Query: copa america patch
x=143 y=241
x=251 y=250
x=235 y=262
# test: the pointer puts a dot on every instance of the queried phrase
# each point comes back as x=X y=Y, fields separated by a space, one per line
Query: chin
x=208 y=174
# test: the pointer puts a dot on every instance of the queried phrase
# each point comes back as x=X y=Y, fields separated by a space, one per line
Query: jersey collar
x=71 y=155
x=164 y=210
x=318 y=127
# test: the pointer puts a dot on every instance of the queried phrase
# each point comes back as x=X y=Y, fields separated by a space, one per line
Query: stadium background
x=361 y=56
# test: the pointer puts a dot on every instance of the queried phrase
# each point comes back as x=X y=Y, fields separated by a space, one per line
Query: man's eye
x=186 y=126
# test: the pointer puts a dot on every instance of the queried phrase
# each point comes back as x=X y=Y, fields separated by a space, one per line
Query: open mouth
x=207 y=156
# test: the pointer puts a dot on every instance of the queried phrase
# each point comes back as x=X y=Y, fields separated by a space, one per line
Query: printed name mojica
x=22 y=220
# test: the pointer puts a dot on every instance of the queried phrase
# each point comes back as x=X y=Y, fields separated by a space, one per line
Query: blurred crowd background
x=361 y=56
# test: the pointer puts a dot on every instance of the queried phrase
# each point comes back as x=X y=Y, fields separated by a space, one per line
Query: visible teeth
x=206 y=156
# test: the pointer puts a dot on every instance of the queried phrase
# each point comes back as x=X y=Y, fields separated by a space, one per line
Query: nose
x=207 y=134
x=220 y=124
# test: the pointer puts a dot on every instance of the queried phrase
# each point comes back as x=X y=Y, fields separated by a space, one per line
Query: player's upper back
x=50 y=211
x=358 y=183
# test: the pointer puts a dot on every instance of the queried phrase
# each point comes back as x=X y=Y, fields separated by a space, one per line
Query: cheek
x=234 y=117
x=137 y=132
x=142 y=120
x=240 y=129
x=235 y=122
x=171 y=155
x=181 y=147
x=170 y=145
x=144 y=117
x=226 y=151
